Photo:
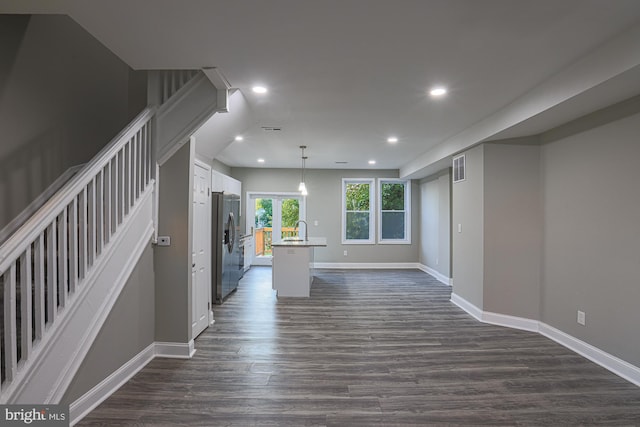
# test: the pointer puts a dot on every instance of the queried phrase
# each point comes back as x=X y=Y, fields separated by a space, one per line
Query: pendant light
x=302 y=188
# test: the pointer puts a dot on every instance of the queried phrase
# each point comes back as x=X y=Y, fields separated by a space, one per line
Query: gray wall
x=173 y=263
x=468 y=245
x=592 y=238
x=220 y=167
x=512 y=230
x=63 y=96
x=324 y=204
x=128 y=330
x=435 y=222
x=549 y=230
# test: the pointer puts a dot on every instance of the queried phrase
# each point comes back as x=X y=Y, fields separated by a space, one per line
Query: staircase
x=62 y=271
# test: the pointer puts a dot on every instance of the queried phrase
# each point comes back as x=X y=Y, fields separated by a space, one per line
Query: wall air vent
x=341 y=163
x=459 y=168
x=271 y=128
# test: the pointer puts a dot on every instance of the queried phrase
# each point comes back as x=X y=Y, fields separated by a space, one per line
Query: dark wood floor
x=368 y=348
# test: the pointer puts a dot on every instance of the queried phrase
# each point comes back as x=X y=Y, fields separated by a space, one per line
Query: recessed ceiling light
x=239 y=138
x=372 y=162
x=438 y=91
x=260 y=160
x=259 y=89
x=392 y=140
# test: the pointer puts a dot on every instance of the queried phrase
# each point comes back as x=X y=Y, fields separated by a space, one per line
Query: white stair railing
x=44 y=264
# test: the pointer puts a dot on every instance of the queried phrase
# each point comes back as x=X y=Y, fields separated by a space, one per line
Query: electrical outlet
x=581 y=317
x=315 y=222
x=345 y=253
x=164 y=241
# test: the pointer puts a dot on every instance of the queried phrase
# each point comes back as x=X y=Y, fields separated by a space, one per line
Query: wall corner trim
x=175 y=350
x=608 y=361
x=436 y=275
x=101 y=392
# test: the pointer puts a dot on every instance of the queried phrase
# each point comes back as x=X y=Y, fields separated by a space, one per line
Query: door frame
x=250 y=214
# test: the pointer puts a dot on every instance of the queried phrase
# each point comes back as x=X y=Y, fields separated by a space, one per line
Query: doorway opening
x=272 y=217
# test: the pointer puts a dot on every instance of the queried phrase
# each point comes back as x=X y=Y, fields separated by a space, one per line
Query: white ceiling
x=343 y=75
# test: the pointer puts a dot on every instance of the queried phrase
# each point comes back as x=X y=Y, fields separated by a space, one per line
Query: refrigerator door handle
x=230 y=233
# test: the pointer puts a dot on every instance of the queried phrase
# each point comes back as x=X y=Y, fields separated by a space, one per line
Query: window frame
x=372 y=211
x=407 y=211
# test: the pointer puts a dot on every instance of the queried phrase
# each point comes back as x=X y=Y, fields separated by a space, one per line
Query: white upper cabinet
x=222 y=182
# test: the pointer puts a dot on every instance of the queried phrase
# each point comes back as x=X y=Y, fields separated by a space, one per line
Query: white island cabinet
x=293 y=266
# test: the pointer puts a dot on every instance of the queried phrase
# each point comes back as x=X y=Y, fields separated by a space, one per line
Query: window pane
x=392 y=197
x=289 y=215
x=357 y=226
x=357 y=197
x=264 y=213
x=290 y=212
x=393 y=225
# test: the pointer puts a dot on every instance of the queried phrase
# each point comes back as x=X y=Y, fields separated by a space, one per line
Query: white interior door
x=201 y=253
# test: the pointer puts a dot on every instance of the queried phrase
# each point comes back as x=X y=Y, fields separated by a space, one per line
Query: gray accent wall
x=173 y=263
x=128 y=330
x=592 y=238
x=435 y=222
x=63 y=96
x=324 y=204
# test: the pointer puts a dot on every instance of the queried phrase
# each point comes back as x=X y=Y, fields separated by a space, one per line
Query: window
x=395 y=211
x=358 y=204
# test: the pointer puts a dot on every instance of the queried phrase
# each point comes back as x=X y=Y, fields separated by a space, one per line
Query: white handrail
x=48 y=258
x=33 y=207
x=26 y=234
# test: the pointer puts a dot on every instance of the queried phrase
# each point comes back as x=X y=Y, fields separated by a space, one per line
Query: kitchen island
x=293 y=265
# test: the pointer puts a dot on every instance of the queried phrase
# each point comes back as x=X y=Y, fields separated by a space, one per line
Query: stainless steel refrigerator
x=226 y=261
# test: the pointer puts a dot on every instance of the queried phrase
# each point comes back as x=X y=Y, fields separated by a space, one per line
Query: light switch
x=459 y=228
x=315 y=222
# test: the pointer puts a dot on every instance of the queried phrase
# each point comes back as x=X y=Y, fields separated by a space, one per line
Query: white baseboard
x=367 y=265
x=175 y=350
x=612 y=363
x=513 y=322
x=436 y=274
x=466 y=306
x=98 y=394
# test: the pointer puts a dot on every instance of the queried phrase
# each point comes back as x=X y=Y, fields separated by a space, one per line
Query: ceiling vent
x=271 y=128
x=459 y=168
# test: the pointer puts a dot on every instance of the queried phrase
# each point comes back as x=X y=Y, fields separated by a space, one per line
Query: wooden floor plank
x=369 y=347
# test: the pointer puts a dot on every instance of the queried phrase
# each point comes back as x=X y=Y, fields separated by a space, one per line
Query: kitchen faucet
x=306 y=229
